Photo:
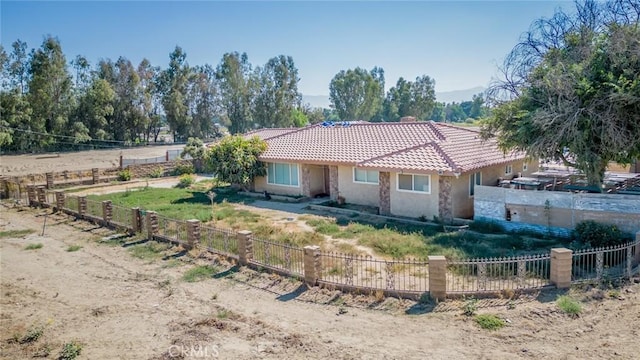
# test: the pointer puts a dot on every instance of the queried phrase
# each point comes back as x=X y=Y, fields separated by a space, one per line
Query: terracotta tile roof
x=265 y=134
x=423 y=147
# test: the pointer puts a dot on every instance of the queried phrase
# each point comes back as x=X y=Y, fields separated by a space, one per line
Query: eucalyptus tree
x=356 y=94
x=236 y=90
x=276 y=96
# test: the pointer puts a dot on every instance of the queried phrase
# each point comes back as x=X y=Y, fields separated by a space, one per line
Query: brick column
x=245 y=247
x=31 y=195
x=65 y=175
x=95 y=175
x=193 y=233
x=4 y=189
x=107 y=210
x=42 y=196
x=59 y=200
x=438 y=277
x=384 y=201
x=82 y=205
x=49 y=179
x=136 y=220
x=305 y=179
x=152 y=224
x=333 y=182
x=445 y=202
x=561 y=262
x=312 y=267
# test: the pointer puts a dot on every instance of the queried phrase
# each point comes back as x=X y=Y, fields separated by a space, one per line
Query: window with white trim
x=474 y=179
x=508 y=169
x=417 y=183
x=525 y=166
x=282 y=174
x=365 y=176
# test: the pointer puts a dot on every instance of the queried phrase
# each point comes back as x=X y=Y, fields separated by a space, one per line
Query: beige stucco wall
x=260 y=185
x=356 y=193
x=463 y=203
x=414 y=204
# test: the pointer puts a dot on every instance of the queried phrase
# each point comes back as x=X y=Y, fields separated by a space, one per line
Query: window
x=525 y=166
x=282 y=174
x=409 y=182
x=508 y=169
x=365 y=176
x=474 y=179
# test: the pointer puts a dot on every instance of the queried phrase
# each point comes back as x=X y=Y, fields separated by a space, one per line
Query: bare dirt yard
x=113 y=305
x=15 y=165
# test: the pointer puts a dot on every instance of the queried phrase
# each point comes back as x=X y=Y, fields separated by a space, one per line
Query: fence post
x=31 y=195
x=120 y=161
x=438 y=277
x=561 y=263
x=135 y=220
x=4 y=188
x=107 y=211
x=49 y=179
x=65 y=175
x=193 y=233
x=152 y=224
x=59 y=200
x=42 y=196
x=311 y=265
x=245 y=247
x=82 y=205
x=166 y=156
x=637 y=255
x=95 y=175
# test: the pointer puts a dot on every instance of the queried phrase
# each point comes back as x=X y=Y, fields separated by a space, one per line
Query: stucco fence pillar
x=59 y=201
x=136 y=220
x=561 y=263
x=152 y=224
x=245 y=247
x=312 y=265
x=193 y=233
x=82 y=205
x=42 y=196
x=31 y=195
x=107 y=211
x=49 y=180
x=437 y=277
x=95 y=175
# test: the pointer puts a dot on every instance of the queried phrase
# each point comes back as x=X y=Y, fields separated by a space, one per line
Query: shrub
x=70 y=351
x=33 y=246
x=199 y=273
x=185 y=181
x=32 y=335
x=73 y=248
x=569 y=305
x=470 y=307
x=184 y=168
x=598 y=235
x=156 y=172
x=124 y=175
x=489 y=321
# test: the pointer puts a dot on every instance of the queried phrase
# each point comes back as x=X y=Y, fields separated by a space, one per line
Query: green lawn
x=390 y=239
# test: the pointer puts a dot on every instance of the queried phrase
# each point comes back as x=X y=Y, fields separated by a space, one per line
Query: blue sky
x=458 y=43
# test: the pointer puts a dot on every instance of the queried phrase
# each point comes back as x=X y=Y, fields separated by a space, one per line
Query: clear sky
x=458 y=43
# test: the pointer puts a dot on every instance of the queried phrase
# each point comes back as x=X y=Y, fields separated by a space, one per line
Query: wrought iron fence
x=605 y=262
x=172 y=229
x=71 y=203
x=94 y=208
x=122 y=216
x=279 y=256
x=221 y=241
x=375 y=274
x=498 y=274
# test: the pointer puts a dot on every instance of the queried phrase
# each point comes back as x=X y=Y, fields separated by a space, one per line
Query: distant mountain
x=322 y=101
x=459 y=95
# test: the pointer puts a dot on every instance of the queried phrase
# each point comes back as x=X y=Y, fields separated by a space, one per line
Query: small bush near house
x=124 y=175
x=156 y=172
x=569 y=305
x=596 y=234
x=182 y=169
x=70 y=351
x=489 y=321
x=186 y=180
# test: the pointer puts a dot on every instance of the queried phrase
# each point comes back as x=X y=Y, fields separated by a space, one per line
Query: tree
x=235 y=159
x=236 y=87
x=573 y=94
x=408 y=98
x=357 y=94
x=276 y=93
x=125 y=123
x=202 y=98
x=95 y=106
x=50 y=90
x=18 y=66
x=150 y=99
x=174 y=87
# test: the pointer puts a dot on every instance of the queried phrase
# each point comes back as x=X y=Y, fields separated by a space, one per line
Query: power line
x=59 y=136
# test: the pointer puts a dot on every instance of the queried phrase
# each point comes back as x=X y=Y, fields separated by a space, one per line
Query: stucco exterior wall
x=414 y=204
x=356 y=193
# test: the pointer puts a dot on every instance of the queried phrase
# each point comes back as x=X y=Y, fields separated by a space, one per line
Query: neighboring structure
x=407 y=168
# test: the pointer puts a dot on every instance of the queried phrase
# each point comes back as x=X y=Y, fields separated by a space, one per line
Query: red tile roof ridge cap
x=293 y=130
x=445 y=156
x=396 y=152
x=456 y=127
x=437 y=131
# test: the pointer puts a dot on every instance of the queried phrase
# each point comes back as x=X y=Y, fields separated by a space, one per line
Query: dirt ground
x=14 y=165
x=118 y=306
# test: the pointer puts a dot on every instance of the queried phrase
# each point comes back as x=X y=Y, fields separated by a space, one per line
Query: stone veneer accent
x=333 y=182
x=445 y=204
x=385 y=193
x=305 y=175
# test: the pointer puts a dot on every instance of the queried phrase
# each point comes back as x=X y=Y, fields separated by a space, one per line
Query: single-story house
x=408 y=168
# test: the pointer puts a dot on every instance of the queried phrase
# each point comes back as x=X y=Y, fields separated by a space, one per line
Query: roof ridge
x=437 y=131
x=395 y=152
x=445 y=156
x=294 y=130
x=457 y=127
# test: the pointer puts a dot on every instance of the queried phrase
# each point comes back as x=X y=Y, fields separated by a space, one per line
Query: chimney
x=407 y=119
